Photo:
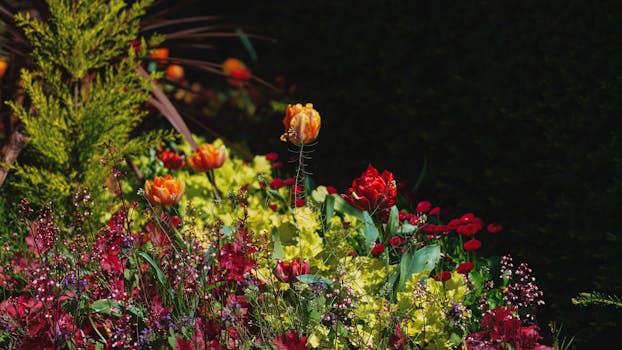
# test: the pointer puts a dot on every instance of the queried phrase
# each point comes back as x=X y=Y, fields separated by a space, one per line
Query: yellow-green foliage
x=83 y=93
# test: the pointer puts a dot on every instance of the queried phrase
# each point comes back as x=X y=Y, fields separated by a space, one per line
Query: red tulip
x=373 y=192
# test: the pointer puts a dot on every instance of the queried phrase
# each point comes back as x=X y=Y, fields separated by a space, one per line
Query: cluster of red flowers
x=501 y=327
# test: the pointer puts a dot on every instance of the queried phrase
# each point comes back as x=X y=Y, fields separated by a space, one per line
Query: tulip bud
x=164 y=190
x=281 y=271
x=208 y=157
x=302 y=124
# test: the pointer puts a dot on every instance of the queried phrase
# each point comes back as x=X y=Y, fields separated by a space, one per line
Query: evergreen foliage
x=84 y=92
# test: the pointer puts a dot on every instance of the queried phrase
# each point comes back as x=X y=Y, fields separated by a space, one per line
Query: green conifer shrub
x=83 y=93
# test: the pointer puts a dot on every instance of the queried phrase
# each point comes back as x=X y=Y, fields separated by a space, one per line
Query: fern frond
x=598 y=299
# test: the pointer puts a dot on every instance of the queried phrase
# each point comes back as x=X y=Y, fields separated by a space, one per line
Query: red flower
x=465 y=267
x=277 y=165
x=373 y=192
x=396 y=240
x=299 y=202
x=287 y=272
x=272 y=156
x=277 y=183
x=172 y=160
x=289 y=181
x=472 y=245
x=501 y=323
x=236 y=70
x=468 y=229
x=183 y=344
x=494 y=228
x=291 y=341
x=297 y=189
x=424 y=207
x=273 y=207
x=443 y=276
x=377 y=249
x=435 y=211
x=331 y=190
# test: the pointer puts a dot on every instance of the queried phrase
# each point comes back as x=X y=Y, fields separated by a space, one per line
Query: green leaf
x=406 y=229
x=156 y=268
x=172 y=341
x=343 y=207
x=371 y=231
x=278 y=247
x=310 y=279
x=415 y=261
x=106 y=307
x=393 y=223
x=329 y=210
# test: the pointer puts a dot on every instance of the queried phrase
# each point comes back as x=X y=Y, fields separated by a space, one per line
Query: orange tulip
x=302 y=124
x=164 y=190
x=208 y=157
x=175 y=71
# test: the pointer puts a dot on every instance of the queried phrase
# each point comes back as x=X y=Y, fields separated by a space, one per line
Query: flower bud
x=164 y=190
x=281 y=271
x=208 y=157
x=302 y=124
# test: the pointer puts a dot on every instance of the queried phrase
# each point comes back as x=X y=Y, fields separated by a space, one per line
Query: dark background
x=515 y=106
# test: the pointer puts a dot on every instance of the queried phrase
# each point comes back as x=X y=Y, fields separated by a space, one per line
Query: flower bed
x=232 y=254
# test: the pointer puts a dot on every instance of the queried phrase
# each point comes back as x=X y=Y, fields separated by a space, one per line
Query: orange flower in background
x=175 y=71
x=302 y=124
x=164 y=190
x=160 y=53
x=236 y=69
x=208 y=157
x=3 y=66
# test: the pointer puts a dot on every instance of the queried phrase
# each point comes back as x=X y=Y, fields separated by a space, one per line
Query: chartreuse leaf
x=393 y=223
x=415 y=261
